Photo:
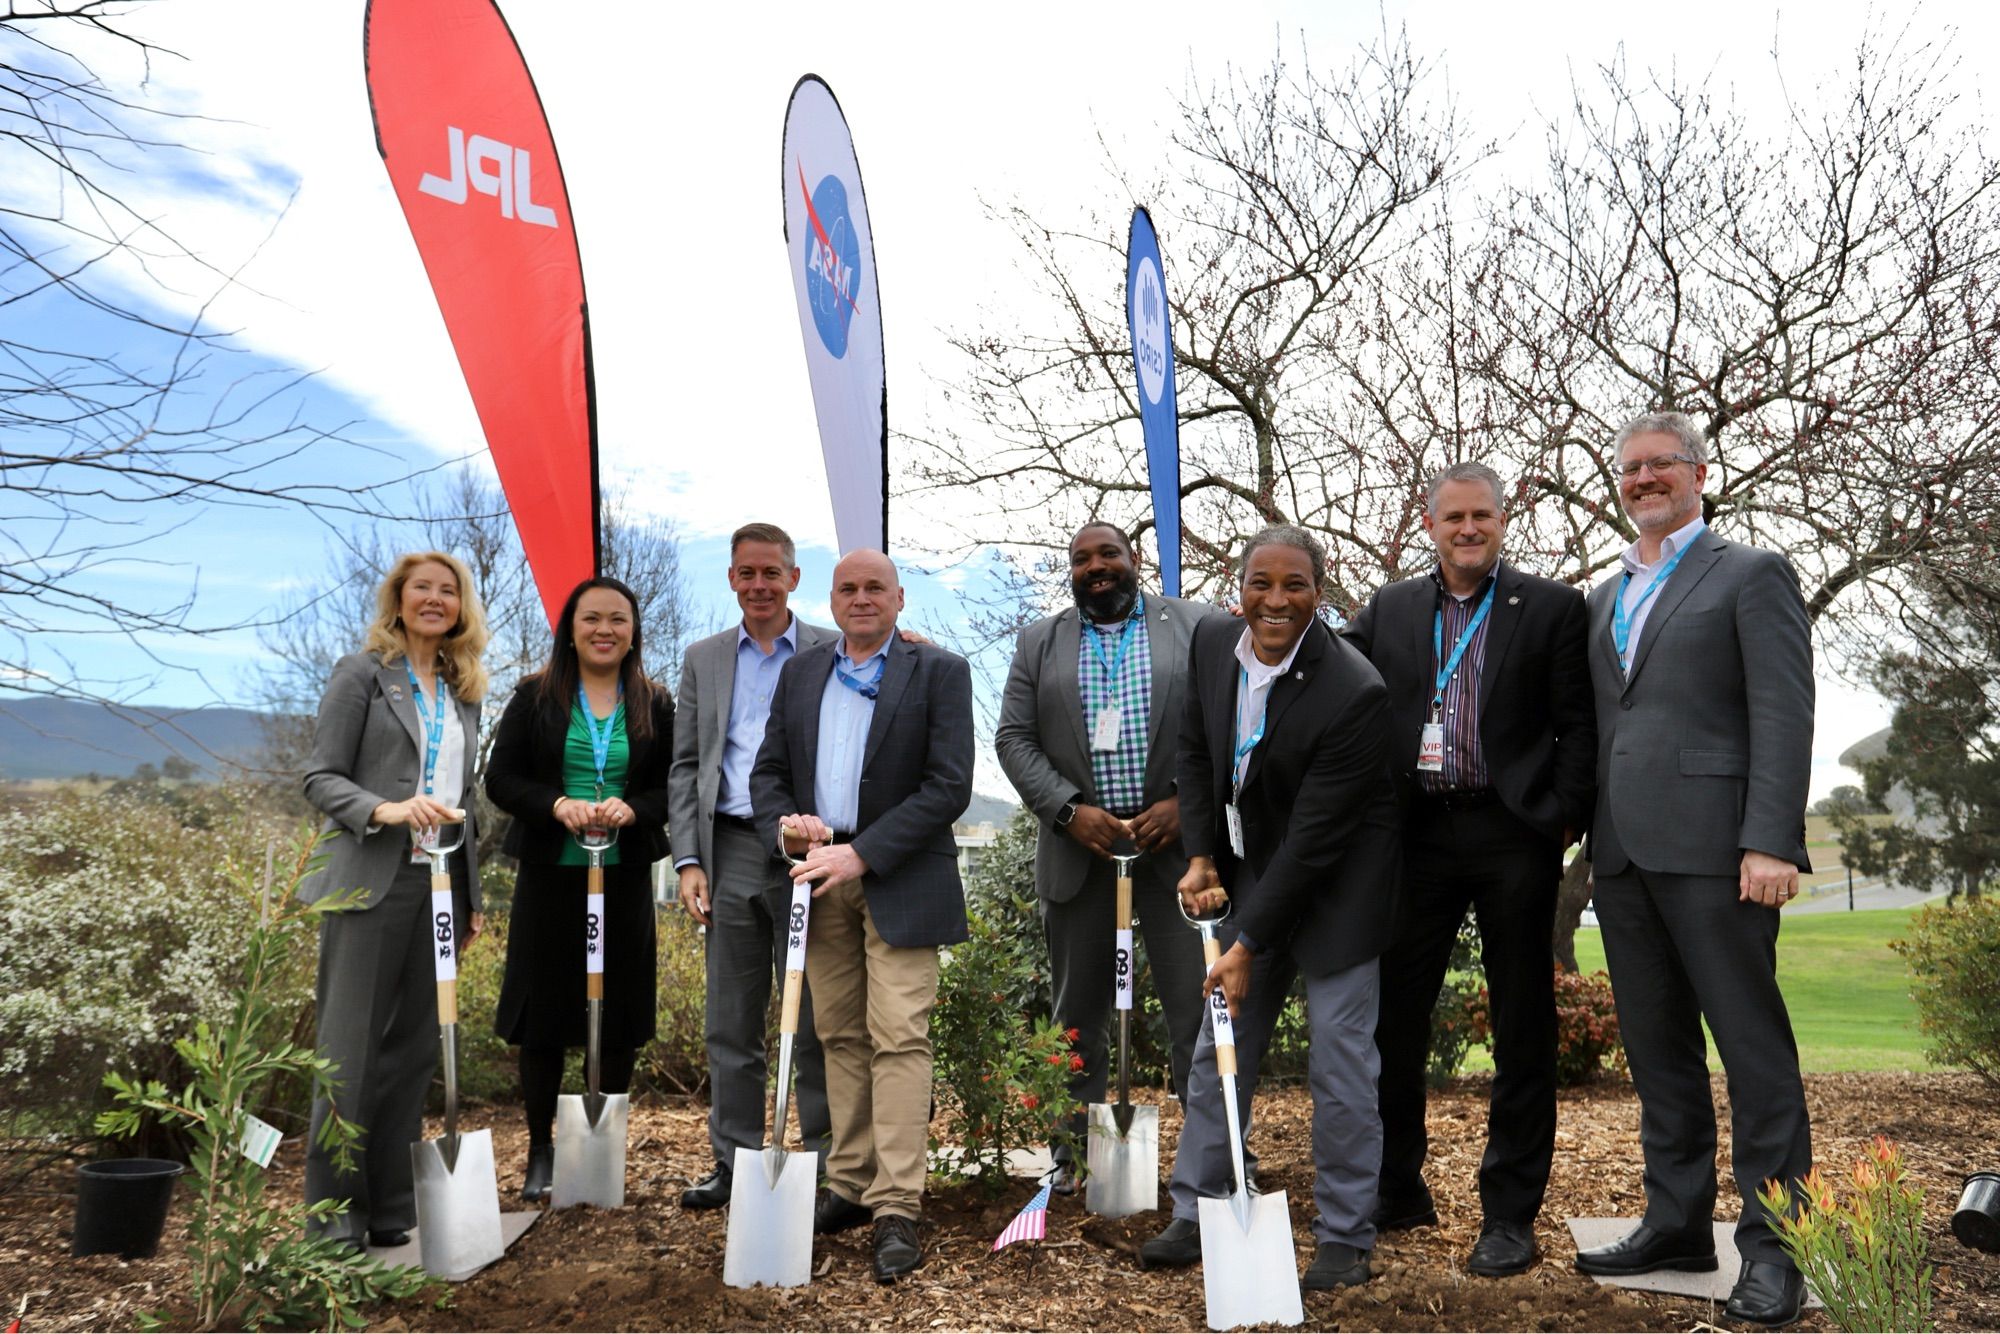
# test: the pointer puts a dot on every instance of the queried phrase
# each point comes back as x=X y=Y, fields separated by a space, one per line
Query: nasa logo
x=492 y=168
x=833 y=261
x=1149 y=330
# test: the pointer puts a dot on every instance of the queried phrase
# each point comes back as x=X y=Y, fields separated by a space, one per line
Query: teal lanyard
x=868 y=687
x=1126 y=638
x=1621 y=620
x=433 y=726
x=1458 y=649
x=600 y=741
x=1244 y=747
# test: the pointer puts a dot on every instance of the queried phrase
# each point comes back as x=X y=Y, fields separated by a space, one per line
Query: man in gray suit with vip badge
x=731 y=880
x=1087 y=735
x=1701 y=663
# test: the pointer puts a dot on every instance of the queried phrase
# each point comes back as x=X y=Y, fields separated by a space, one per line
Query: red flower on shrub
x=1055 y=1058
x=1075 y=1062
x=1071 y=1034
x=1030 y=1101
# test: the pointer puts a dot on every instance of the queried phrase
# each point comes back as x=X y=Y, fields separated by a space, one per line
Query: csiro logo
x=832 y=260
x=1149 y=330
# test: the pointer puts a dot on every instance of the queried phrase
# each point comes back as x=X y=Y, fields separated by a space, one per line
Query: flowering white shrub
x=120 y=926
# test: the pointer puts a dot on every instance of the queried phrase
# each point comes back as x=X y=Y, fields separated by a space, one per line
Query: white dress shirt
x=1642 y=577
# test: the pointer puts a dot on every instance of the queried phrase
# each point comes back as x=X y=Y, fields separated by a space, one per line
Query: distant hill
x=989 y=810
x=60 y=738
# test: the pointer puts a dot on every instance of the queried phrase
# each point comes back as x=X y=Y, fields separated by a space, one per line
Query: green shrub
x=120 y=931
x=676 y=1060
x=1953 y=954
x=251 y=1263
x=1865 y=1256
x=486 y=1068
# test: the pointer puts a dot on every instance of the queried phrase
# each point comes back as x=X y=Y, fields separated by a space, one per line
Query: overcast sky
x=668 y=117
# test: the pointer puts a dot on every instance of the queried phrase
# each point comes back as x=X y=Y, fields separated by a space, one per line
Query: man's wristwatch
x=1065 y=815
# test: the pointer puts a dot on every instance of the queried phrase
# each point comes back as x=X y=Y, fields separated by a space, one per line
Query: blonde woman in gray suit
x=393 y=755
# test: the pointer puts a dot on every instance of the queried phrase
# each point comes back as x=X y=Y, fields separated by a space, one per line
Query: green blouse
x=579 y=774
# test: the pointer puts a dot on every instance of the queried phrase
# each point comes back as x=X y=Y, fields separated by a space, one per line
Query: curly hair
x=459 y=655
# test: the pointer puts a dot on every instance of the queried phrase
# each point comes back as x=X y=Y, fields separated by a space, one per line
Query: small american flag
x=1032 y=1223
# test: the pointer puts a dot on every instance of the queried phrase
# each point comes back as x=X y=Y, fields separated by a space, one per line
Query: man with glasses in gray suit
x=731 y=881
x=1701 y=663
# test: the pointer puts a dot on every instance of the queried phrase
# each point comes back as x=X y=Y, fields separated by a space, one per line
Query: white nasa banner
x=832 y=256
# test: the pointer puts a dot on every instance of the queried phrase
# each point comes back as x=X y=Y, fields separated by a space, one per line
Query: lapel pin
x=1298 y=676
x=1514 y=601
x=396 y=693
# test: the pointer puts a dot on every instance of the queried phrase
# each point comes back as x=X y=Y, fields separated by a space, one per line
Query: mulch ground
x=651 y=1266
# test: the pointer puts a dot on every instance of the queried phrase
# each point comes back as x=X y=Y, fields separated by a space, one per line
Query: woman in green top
x=586 y=742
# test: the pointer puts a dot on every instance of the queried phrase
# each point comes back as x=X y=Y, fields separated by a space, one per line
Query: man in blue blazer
x=867 y=761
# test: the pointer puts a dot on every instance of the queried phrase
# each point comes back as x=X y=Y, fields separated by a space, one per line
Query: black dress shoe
x=1336 y=1266
x=711 y=1192
x=388 y=1238
x=1766 y=1293
x=1643 y=1251
x=835 y=1213
x=1397 y=1213
x=1176 y=1248
x=896 y=1249
x=1503 y=1248
x=541 y=1172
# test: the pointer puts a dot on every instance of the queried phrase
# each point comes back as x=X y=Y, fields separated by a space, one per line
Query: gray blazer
x=1706 y=749
x=708 y=686
x=1041 y=739
x=368 y=749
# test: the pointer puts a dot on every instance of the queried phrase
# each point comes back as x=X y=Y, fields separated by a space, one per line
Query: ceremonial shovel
x=1248 y=1271
x=458 y=1195
x=1124 y=1144
x=771 y=1191
x=590 y=1128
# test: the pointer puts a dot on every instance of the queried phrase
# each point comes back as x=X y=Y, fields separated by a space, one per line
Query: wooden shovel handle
x=795 y=987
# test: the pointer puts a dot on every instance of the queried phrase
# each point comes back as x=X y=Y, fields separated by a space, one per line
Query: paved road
x=1870 y=893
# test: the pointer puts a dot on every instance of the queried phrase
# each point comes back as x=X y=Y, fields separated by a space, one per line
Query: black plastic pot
x=121 y=1206
x=1977 y=1222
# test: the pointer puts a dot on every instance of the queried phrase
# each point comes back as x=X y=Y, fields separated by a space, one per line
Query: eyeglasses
x=1658 y=465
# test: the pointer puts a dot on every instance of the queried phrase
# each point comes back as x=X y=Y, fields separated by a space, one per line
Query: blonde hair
x=459 y=655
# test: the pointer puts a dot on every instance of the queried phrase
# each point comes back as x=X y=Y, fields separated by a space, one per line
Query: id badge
x=1104 y=735
x=1235 y=819
x=1430 y=749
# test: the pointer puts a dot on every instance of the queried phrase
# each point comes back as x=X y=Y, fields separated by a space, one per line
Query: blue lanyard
x=868 y=687
x=433 y=726
x=1126 y=638
x=1457 y=650
x=1621 y=620
x=600 y=742
x=1244 y=747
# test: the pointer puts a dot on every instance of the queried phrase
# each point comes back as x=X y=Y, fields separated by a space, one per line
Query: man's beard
x=1113 y=604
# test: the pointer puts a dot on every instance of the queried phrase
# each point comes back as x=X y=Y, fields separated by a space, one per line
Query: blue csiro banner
x=1153 y=362
x=832 y=255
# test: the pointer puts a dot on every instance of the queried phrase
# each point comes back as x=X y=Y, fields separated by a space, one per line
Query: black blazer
x=916 y=779
x=1321 y=836
x=524 y=778
x=1537 y=720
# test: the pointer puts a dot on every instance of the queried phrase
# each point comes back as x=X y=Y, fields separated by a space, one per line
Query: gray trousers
x=1341 y=1072
x=1681 y=948
x=1082 y=933
x=377 y=1013
x=750 y=896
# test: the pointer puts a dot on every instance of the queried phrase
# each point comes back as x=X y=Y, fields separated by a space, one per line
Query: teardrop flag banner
x=832 y=253
x=461 y=130
x=1153 y=364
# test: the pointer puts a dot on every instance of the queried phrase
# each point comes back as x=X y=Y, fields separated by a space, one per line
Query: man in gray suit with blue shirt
x=1089 y=727
x=731 y=881
x=1701 y=663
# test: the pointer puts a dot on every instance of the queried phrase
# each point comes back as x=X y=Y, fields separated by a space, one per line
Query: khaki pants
x=872 y=1006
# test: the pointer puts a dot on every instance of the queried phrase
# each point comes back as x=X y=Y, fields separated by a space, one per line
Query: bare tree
x=126 y=414
x=1289 y=186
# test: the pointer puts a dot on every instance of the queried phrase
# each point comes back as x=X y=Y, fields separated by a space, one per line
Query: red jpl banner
x=462 y=133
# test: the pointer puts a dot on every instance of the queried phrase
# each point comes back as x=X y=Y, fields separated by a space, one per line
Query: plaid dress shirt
x=1120 y=775
x=1464 y=756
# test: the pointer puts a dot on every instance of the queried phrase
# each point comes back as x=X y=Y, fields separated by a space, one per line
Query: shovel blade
x=770 y=1226
x=1250 y=1276
x=590 y=1156
x=458 y=1207
x=1124 y=1164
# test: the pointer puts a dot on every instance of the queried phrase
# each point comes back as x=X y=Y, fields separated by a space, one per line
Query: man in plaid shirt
x=1087 y=735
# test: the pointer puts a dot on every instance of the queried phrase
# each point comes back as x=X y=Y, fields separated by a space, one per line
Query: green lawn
x=1846 y=989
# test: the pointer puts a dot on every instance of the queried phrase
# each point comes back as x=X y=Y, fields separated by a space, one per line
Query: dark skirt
x=541 y=995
